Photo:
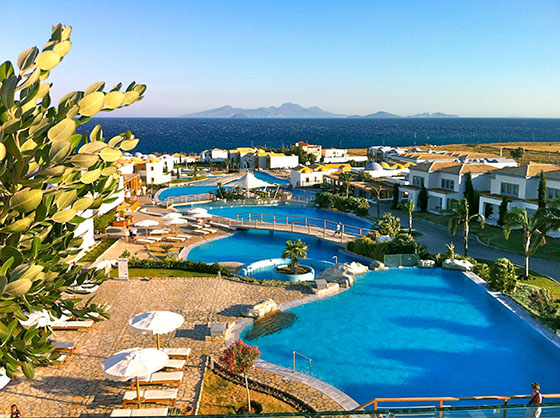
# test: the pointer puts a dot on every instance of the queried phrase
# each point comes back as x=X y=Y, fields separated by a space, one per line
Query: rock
x=376 y=265
x=456 y=264
x=384 y=238
x=343 y=273
x=262 y=308
x=427 y=264
x=357 y=268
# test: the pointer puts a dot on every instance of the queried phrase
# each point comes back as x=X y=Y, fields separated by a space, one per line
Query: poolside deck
x=78 y=387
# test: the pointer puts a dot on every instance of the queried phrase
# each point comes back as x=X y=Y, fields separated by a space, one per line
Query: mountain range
x=295 y=111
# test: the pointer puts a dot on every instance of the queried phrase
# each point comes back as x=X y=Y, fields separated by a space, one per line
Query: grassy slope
x=97 y=250
x=161 y=273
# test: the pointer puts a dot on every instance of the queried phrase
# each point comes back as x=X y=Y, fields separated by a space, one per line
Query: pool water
x=270 y=178
x=184 y=190
x=248 y=246
x=414 y=332
x=293 y=213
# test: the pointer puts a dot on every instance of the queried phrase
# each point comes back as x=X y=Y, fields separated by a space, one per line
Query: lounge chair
x=145 y=241
x=159 y=232
x=187 y=237
x=210 y=230
x=175 y=238
x=200 y=232
x=150 y=396
x=144 y=412
x=159 y=378
x=178 y=353
x=73 y=325
x=64 y=347
x=176 y=364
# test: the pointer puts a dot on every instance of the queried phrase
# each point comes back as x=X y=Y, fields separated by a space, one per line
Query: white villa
x=306 y=176
x=215 y=155
x=315 y=150
x=245 y=157
x=520 y=186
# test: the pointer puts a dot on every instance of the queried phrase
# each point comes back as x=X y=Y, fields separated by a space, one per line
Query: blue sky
x=472 y=58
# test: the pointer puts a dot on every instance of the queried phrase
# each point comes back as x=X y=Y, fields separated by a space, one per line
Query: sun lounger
x=224 y=226
x=159 y=378
x=187 y=237
x=176 y=364
x=200 y=232
x=150 y=396
x=210 y=230
x=64 y=347
x=159 y=232
x=144 y=412
x=73 y=325
x=178 y=353
x=177 y=238
x=145 y=240
x=61 y=359
x=190 y=218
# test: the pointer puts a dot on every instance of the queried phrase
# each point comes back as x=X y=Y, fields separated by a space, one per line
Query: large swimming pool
x=414 y=332
x=292 y=213
x=248 y=246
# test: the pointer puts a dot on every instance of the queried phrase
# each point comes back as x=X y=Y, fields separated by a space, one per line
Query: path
x=436 y=237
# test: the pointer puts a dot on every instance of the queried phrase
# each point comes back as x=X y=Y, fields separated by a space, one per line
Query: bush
x=503 y=276
x=389 y=225
x=369 y=248
x=327 y=200
x=439 y=258
x=542 y=301
x=482 y=270
x=103 y=221
x=186 y=265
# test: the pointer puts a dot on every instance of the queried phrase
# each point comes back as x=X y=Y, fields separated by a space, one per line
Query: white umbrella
x=156 y=323
x=172 y=215
x=42 y=319
x=146 y=223
x=249 y=181
x=197 y=210
x=202 y=215
x=178 y=221
x=134 y=363
x=4 y=380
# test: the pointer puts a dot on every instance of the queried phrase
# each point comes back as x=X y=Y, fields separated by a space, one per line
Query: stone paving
x=78 y=387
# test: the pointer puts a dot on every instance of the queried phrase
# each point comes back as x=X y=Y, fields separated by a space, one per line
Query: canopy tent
x=156 y=323
x=134 y=363
x=249 y=181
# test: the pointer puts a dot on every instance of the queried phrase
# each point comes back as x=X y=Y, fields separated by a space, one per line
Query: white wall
x=285 y=161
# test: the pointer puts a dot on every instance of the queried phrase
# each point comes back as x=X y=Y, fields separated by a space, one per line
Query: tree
x=542 y=191
x=51 y=180
x=502 y=210
x=239 y=358
x=409 y=208
x=294 y=251
x=534 y=229
x=423 y=199
x=396 y=196
x=518 y=153
x=376 y=195
x=471 y=194
x=364 y=176
x=503 y=277
x=460 y=216
x=346 y=178
x=389 y=225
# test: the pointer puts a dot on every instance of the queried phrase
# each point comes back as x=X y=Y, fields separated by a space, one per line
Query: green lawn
x=161 y=273
x=494 y=236
x=96 y=251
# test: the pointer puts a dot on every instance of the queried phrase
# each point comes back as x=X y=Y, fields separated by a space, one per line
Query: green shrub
x=389 y=225
x=327 y=200
x=103 y=221
x=369 y=248
x=503 y=276
x=186 y=265
x=482 y=270
x=96 y=251
x=439 y=258
x=542 y=301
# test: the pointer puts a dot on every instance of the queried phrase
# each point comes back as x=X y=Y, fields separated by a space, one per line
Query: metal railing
x=294 y=360
x=188 y=198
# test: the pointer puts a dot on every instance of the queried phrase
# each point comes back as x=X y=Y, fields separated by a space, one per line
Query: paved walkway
x=436 y=237
x=78 y=387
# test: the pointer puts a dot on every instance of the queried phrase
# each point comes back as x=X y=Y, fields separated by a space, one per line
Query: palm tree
x=376 y=195
x=409 y=208
x=346 y=178
x=534 y=228
x=294 y=251
x=459 y=209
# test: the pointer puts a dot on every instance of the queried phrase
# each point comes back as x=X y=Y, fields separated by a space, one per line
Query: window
x=552 y=194
x=151 y=168
x=447 y=184
x=509 y=189
x=417 y=181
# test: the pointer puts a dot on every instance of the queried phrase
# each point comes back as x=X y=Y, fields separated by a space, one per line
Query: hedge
x=186 y=265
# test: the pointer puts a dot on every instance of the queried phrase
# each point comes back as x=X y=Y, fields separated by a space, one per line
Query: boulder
x=376 y=265
x=384 y=238
x=356 y=268
x=343 y=273
x=262 y=308
x=456 y=264
x=427 y=264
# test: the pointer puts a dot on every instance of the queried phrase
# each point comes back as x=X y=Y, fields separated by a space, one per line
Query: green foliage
x=503 y=276
x=396 y=195
x=389 y=225
x=518 y=152
x=369 y=248
x=104 y=221
x=125 y=254
x=542 y=191
x=98 y=250
x=49 y=175
x=405 y=244
x=472 y=195
x=327 y=200
x=450 y=251
x=482 y=270
x=294 y=251
x=363 y=176
x=542 y=301
x=423 y=199
x=461 y=216
x=186 y=265
x=502 y=210
x=346 y=178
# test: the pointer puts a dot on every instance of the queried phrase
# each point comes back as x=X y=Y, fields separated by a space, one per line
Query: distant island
x=295 y=111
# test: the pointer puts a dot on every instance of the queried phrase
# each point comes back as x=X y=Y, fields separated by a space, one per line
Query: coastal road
x=436 y=237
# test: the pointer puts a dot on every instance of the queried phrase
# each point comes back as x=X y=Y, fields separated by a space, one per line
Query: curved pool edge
x=185 y=251
x=343 y=399
x=516 y=309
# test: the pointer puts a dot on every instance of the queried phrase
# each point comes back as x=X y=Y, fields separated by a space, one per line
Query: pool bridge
x=200 y=198
x=317 y=227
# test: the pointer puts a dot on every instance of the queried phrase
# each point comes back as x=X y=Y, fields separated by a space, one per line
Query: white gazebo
x=249 y=181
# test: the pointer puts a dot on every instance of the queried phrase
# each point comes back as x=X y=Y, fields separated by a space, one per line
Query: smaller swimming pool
x=264 y=176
